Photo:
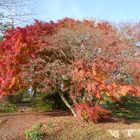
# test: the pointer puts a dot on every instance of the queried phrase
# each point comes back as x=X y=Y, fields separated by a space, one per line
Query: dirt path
x=13 y=125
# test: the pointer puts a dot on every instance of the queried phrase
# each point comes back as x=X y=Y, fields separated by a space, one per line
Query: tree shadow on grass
x=128 y=110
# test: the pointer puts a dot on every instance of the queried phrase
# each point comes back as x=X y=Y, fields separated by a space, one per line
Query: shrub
x=55 y=101
x=16 y=98
x=128 y=108
x=35 y=133
x=91 y=113
x=42 y=106
x=5 y=108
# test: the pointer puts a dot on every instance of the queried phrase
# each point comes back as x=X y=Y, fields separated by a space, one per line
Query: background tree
x=13 y=13
x=131 y=33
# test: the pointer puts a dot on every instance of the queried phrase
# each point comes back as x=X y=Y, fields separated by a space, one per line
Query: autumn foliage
x=88 y=60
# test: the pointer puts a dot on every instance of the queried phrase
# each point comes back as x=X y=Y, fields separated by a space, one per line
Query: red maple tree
x=88 y=60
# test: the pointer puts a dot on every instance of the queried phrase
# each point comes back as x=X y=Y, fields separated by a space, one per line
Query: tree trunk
x=67 y=103
x=33 y=94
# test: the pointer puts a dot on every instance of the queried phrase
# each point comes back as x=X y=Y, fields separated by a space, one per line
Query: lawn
x=61 y=126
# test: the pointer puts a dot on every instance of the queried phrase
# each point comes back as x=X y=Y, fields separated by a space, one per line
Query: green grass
x=88 y=133
x=5 y=108
x=42 y=107
x=128 y=108
x=67 y=129
x=35 y=133
x=48 y=102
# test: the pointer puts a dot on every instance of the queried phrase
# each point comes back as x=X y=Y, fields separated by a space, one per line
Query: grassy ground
x=68 y=128
x=7 y=107
x=128 y=108
x=59 y=126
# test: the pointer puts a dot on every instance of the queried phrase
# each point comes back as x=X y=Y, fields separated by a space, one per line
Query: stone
x=127 y=133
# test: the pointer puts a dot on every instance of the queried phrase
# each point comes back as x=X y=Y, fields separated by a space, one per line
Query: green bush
x=35 y=133
x=42 y=106
x=48 y=102
x=5 y=108
x=128 y=108
x=55 y=101
x=15 y=98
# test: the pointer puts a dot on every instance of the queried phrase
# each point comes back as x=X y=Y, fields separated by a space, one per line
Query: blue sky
x=111 y=10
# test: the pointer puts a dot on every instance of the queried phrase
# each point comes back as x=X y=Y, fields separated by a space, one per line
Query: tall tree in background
x=13 y=13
